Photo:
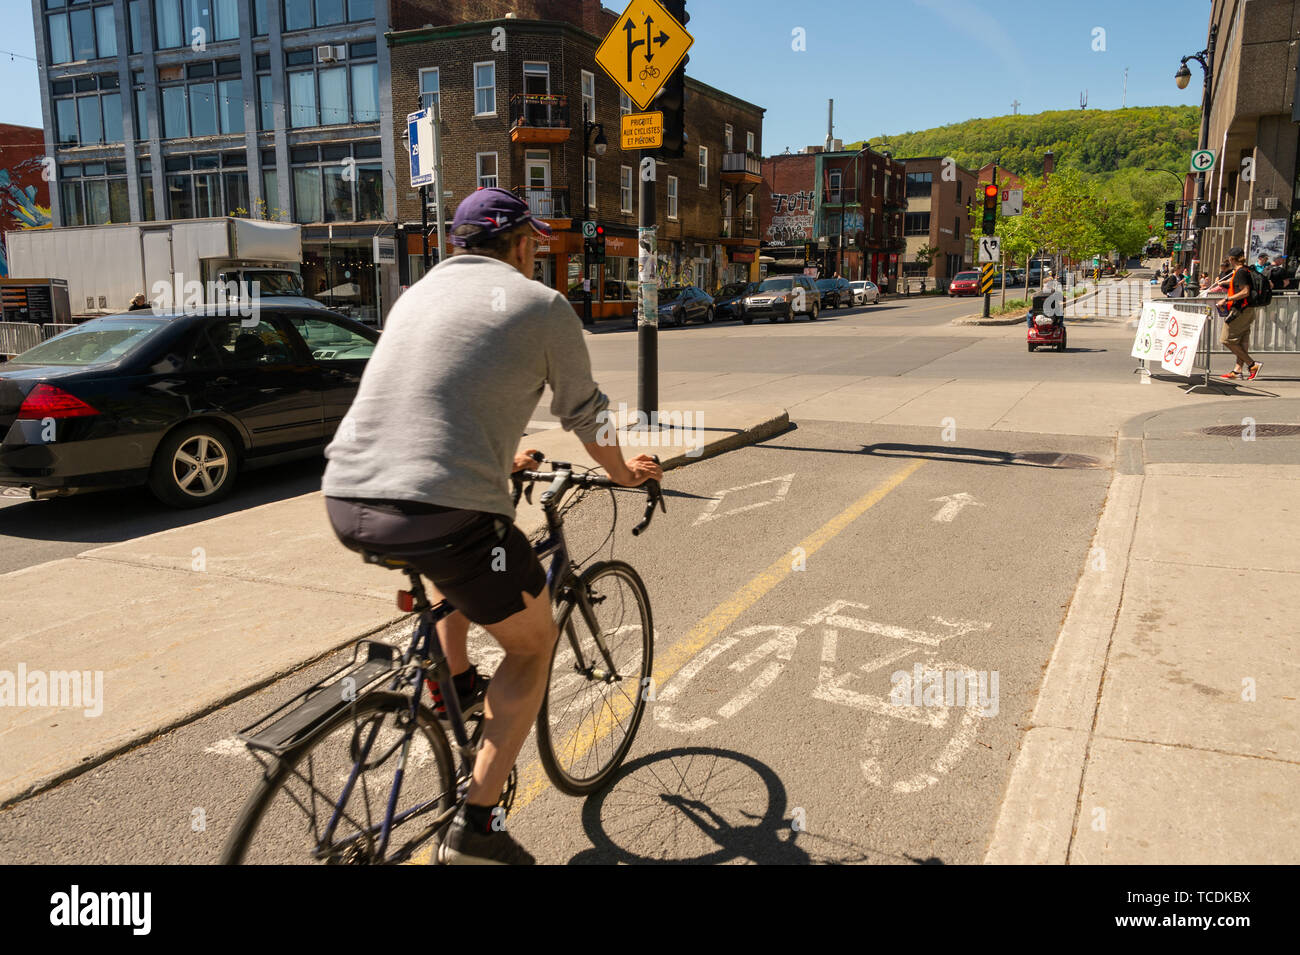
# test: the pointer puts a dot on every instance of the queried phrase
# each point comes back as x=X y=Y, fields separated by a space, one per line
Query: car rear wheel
x=816 y=310
x=195 y=465
x=708 y=317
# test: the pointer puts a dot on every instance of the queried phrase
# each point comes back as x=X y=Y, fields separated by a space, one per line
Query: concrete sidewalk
x=1167 y=729
x=179 y=623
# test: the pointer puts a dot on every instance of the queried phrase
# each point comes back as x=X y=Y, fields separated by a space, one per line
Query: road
x=831 y=559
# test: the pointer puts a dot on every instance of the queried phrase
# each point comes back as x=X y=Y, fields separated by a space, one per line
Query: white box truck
x=179 y=263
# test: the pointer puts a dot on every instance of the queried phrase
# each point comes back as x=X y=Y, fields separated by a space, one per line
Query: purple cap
x=495 y=211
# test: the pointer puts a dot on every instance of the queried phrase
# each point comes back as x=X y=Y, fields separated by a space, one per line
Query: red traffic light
x=600 y=230
x=990 y=191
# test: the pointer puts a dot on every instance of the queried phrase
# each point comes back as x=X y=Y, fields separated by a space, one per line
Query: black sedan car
x=729 y=302
x=682 y=303
x=836 y=292
x=181 y=403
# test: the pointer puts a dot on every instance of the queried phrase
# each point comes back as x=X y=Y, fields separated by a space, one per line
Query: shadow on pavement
x=704 y=806
x=106 y=517
x=987 y=457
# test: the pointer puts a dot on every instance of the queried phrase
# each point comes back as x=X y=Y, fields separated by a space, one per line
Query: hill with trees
x=1101 y=197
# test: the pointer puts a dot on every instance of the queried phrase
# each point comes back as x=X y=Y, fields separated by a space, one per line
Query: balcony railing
x=845 y=195
x=542 y=110
x=545 y=203
x=740 y=227
x=741 y=162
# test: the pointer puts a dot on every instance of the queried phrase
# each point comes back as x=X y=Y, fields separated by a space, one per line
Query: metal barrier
x=49 y=331
x=1275 y=331
x=17 y=337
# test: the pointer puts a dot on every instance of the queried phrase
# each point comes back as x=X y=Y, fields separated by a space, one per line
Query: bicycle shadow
x=705 y=806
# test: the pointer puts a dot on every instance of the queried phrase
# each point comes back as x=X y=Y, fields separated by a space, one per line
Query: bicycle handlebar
x=561 y=477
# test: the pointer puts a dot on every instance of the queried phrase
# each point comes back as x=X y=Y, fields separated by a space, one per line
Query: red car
x=965 y=283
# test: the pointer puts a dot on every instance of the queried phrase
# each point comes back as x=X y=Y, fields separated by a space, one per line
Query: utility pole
x=647 y=319
x=440 y=193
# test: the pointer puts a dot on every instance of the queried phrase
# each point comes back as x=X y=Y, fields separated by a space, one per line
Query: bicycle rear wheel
x=287 y=820
x=598 y=680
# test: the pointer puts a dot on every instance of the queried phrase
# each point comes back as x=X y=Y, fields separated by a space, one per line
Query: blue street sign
x=419 y=127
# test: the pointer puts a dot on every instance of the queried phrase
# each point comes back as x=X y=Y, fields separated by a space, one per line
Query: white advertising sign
x=1168 y=336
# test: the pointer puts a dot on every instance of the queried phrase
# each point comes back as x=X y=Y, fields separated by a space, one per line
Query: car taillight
x=47 y=401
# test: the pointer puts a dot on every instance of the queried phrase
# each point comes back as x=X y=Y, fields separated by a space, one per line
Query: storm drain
x=1053 y=459
x=1261 y=430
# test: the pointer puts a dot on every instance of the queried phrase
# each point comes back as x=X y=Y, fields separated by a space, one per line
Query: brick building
x=939 y=194
x=861 y=202
x=512 y=93
x=787 y=201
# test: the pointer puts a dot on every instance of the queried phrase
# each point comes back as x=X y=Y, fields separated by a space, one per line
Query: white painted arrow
x=952 y=505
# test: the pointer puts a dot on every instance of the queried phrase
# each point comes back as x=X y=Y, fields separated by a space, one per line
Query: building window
x=625 y=188
x=672 y=197
x=727 y=135
x=428 y=87
x=589 y=95
x=195 y=185
x=266 y=106
x=749 y=210
x=94 y=193
x=834 y=188
x=956 y=228
x=485 y=89
x=624 y=102
x=487 y=170
x=340 y=182
x=84 y=33
x=749 y=143
x=91 y=117
x=591 y=182
x=305 y=14
x=365 y=93
x=916 y=223
x=919 y=184
x=330 y=87
x=704 y=165
x=959 y=190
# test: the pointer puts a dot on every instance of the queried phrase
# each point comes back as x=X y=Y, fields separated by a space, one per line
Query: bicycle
x=650 y=72
x=329 y=734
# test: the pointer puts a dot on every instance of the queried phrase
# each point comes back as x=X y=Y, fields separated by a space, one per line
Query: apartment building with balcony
x=513 y=92
x=939 y=194
x=177 y=109
x=861 y=202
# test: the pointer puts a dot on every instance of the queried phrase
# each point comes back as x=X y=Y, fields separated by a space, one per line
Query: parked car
x=965 y=283
x=729 y=302
x=682 y=303
x=1015 y=278
x=836 y=292
x=865 y=293
x=180 y=403
x=781 y=297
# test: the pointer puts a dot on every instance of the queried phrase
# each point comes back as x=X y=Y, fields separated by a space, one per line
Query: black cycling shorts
x=480 y=562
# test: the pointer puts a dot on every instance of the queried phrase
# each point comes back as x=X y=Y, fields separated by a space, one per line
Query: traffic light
x=594 y=247
x=1170 y=212
x=672 y=98
x=990 y=208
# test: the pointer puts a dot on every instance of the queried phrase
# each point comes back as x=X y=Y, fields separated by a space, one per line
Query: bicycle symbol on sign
x=650 y=72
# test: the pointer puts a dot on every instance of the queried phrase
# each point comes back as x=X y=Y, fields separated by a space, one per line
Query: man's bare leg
x=515 y=694
x=453 y=634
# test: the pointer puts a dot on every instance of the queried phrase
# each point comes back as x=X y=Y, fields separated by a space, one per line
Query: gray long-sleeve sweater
x=459 y=369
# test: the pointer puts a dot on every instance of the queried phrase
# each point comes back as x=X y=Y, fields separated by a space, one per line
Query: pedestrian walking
x=1238 y=316
x=139 y=302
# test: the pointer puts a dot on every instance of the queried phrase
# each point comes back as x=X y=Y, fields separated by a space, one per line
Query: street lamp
x=1182 y=77
x=600 y=145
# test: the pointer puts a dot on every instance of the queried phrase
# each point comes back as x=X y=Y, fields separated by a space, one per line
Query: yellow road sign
x=642 y=130
x=642 y=50
x=986 y=278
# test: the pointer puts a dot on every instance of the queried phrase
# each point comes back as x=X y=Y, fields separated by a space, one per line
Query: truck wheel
x=1032 y=346
x=195 y=465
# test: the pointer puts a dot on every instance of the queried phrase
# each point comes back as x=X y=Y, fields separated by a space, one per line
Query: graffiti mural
x=24 y=189
x=793 y=215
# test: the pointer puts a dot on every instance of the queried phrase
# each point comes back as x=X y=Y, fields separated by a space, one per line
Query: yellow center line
x=532 y=778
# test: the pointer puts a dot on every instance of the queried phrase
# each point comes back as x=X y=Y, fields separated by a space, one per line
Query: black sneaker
x=470 y=702
x=465 y=846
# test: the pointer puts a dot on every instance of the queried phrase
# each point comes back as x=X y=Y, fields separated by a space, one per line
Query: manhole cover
x=1054 y=459
x=1261 y=430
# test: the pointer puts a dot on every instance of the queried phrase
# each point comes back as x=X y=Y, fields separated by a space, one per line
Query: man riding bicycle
x=419 y=469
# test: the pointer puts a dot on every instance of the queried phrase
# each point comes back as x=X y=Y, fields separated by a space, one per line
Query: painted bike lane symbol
x=766 y=650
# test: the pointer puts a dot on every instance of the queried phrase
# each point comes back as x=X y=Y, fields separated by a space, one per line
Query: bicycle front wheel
x=599 y=679
x=298 y=813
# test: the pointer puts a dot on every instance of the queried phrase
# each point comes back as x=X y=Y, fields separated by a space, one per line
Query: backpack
x=1261 y=291
x=1168 y=285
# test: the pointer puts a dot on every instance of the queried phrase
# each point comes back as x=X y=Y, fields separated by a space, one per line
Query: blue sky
x=891 y=65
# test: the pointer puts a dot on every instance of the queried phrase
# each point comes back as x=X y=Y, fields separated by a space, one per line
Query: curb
x=980 y=320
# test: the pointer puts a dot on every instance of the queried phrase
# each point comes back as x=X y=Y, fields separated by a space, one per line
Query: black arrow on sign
x=648 y=55
x=631 y=45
